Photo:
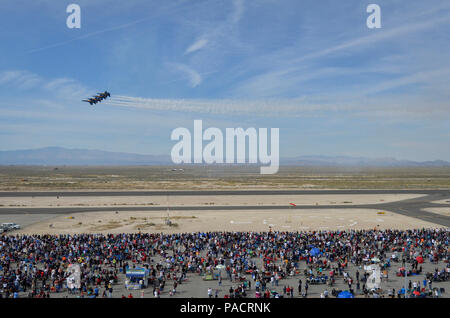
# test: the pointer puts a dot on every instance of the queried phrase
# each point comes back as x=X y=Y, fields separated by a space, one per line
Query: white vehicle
x=10 y=226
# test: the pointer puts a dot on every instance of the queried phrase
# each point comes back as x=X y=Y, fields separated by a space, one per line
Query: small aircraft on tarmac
x=97 y=98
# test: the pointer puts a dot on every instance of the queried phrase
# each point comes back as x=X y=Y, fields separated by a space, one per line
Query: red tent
x=419 y=259
x=292 y=204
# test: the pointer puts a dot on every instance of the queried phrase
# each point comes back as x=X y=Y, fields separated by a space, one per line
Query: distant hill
x=358 y=161
x=61 y=156
x=53 y=156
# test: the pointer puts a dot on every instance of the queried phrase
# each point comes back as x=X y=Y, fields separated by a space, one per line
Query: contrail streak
x=298 y=107
x=223 y=106
x=123 y=26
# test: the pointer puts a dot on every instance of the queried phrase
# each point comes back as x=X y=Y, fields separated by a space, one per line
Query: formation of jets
x=97 y=98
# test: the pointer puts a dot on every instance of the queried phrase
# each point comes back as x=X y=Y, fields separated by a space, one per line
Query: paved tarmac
x=409 y=207
x=444 y=193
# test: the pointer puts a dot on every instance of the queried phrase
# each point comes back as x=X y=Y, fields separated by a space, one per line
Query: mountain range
x=51 y=156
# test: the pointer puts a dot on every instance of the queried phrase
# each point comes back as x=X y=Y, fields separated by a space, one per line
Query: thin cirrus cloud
x=238 y=11
x=172 y=8
x=372 y=39
x=289 y=62
x=220 y=32
x=210 y=36
x=115 y=28
x=25 y=80
x=19 y=79
x=197 y=45
x=194 y=78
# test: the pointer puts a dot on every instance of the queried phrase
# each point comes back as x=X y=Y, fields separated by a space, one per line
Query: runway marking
x=240 y=222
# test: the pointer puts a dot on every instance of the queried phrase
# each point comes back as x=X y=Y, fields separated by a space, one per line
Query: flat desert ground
x=112 y=221
x=234 y=221
x=199 y=200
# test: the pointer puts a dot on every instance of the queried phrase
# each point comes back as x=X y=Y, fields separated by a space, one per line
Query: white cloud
x=217 y=36
x=274 y=71
x=238 y=12
x=170 y=9
x=66 y=87
x=377 y=37
x=424 y=78
x=192 y=75
x=24 y=80
x=197 y=45
x=20 y=79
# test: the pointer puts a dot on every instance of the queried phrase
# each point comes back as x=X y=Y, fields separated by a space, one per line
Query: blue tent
x=345 y=294
x=314 y=252
x=134 y=276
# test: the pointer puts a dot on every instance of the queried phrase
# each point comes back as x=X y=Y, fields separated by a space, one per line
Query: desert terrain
x=232 y=221
x=26 y=178
x=364 y=209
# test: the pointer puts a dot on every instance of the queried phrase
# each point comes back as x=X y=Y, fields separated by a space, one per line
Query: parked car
x=9 y=226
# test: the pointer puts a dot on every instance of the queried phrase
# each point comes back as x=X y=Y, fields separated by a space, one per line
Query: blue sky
x=311 y=68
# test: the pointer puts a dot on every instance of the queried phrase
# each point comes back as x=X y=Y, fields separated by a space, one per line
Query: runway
x=444 y=192
x=409 y=207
